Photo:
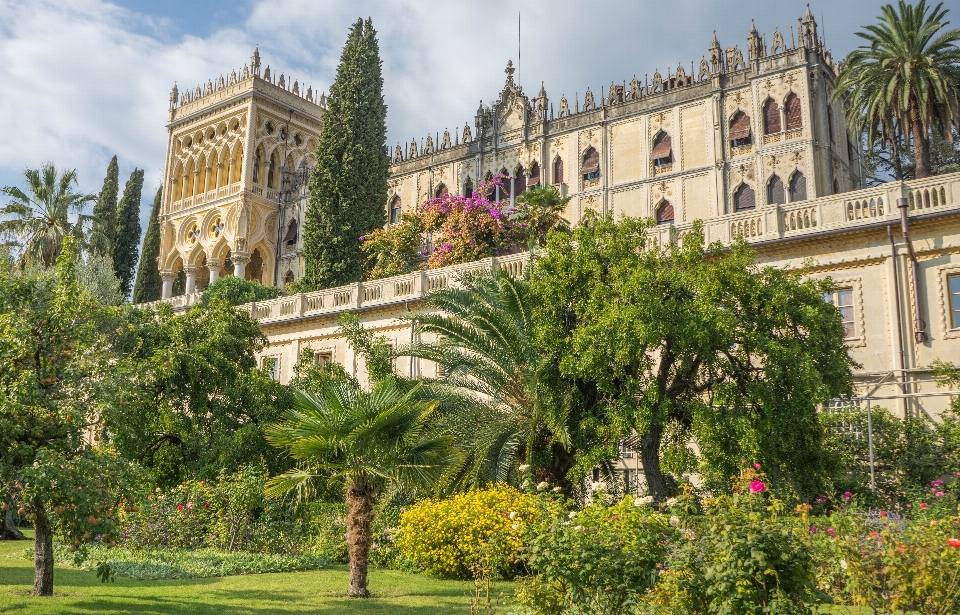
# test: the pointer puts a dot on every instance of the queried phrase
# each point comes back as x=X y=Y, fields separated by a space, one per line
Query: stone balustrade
x=201 y=198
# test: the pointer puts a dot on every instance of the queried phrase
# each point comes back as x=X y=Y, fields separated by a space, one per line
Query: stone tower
x=238 y=154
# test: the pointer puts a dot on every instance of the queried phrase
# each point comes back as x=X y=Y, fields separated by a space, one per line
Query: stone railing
x=214 y=194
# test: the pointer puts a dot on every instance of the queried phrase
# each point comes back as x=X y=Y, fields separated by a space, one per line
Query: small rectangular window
x=271 y=365
x=323 y=359
x=953 y=282
x=842 y=299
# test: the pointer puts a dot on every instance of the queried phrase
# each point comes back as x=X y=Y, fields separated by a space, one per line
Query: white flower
x=513 y=515
x=556 y=490
x=524 y=467
x=596 y=486
x=644 y=501
x=671 y=501
x=843 y=564
x=572 y=515
x=515 y=527
x=526 y=483
x=675 y=521
x=542 y=485
x=579 y=527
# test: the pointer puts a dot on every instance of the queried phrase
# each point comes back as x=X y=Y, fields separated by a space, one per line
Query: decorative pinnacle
x=510 y=70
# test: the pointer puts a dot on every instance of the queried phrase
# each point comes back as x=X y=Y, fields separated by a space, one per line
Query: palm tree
x=41 y=219
x=906 y=80
x=366 y=441
x=507 y=413
x=541 y=209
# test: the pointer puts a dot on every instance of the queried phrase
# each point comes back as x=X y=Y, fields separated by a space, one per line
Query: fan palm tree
x=366 y=441
x=507 y=414
x=906 y=80
x=42 y=219
x=541 y=209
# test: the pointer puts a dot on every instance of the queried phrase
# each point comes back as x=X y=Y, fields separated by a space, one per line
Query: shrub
x=473 y=534
x=393 y=250
x=237 y=291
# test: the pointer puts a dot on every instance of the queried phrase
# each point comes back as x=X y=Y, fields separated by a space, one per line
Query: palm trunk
x=650 y=457
x=921 y=141
x=42 y=552
x=359 y=524
x=9 y=529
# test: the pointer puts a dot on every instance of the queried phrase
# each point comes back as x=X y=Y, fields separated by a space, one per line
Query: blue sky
x=86 y=79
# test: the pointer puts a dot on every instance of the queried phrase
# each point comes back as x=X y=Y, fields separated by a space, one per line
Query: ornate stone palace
x=749 y=143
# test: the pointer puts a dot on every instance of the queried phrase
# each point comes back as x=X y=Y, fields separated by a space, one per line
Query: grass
x=319 y=591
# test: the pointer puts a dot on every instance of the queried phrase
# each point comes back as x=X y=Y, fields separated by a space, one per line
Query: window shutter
x=662 y=147
x=740 y=127
x=771 y=117
x=558 y=171
x=794 y=114
x=291 y=236
x=519 y=182
x=665 y=213
x=534 y=176
x=745 y=198
x=775 y=193
x=591 y=161
x=798 y=187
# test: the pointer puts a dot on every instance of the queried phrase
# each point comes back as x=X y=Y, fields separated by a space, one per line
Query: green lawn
x=79 y=591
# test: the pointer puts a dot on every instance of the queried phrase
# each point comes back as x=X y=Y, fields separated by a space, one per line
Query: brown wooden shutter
x=591 y=161
x=795 y=114
x=534 y=176
x=740 y=126
x=519 y=182
x=798 y=187
x=665 y=213
x=745 y=198
x=771 y=117
x=775 y=192
x=291 y=236
x=441 y=190
x=558 y=171
x=662 y=147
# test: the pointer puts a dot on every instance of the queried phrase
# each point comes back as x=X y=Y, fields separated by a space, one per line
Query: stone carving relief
x=564 y=107
x=778 y=46
x=636 y=90
x=734 y=59
x=588 y=103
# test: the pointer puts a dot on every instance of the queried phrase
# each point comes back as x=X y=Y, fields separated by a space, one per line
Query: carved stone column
x=191 y=273
x=214 y=266
x=240 y=265
x=168 y=277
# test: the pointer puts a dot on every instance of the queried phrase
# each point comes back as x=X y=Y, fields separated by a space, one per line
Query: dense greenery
x=237 y=291
x=126 y=242
x=105 y=210
x=149 y=285
x=349 y=183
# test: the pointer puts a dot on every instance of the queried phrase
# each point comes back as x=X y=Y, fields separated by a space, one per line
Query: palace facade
x=750 y=143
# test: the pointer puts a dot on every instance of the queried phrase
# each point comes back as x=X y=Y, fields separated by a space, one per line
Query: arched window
x=293 y=230
x=558 y=170
x=662 y=153
x=798 y=187
x=740 y=133
x=237 y=162
x=665 y=213
x=829 y=123
x=534 y=176
x=468 y=188
x=519 y=182
x=396 y=206
x=272 y=174
x=771 y=117
x=188 y=180
x=591 y=165
x=178 y=183
x=440 y=191
x=793 y=112
x=744 y=198
x=775 y=192
x=254 y=269
x=256 y=165
x=288 y=279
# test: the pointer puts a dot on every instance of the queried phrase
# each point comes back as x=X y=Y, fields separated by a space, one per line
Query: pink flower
x=189 y=504
x=847 y=495
x=813 y=529
x=939 y=494
x=831 y=532
x=756 y=466
x=179 y=506
x=206 y=505
x=757 y=486
x=909 y=505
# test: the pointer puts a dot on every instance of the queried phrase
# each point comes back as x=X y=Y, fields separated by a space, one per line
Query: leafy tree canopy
x=237 y=291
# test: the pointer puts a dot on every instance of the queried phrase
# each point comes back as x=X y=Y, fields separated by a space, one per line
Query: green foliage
x=373 y=349
x=41 y=219
x=540 y=210
x=599 y=560
x=349 y=184
x=237 y=291
x=313 y=377
x=105 y=210
x=96 y=275
x=149 y=285
x=392 y=250
x=126 y=243
x=474 y=534
x=698 y=341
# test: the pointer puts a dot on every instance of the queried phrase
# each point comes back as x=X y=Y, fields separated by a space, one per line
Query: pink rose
x=179 y=506
x=847 y=495
x=756 y=466
x=757 y=486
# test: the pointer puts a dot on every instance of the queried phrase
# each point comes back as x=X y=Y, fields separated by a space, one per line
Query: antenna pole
x=518 y=47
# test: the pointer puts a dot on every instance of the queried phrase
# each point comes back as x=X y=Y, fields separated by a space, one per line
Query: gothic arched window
x=272 y=174
x=237 y=164
x=256 y=165
x=740 y=133
x=662 y=152
x=771 y=117
x=558 y=170
x=468 y=188
x=293 y=229
x=775 y=191
x=534 y=175
x=288 y=279
x=396 y=206
x=798 y=187
x=591 y=165
x=519 y=182
x=440 y=191
x=794 y=112
x=665 y=213
x=744 y=198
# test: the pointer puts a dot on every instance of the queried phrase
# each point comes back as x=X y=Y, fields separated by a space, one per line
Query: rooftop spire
x=255 y=61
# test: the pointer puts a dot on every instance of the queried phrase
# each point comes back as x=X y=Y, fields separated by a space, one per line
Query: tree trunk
x=9 y=529
x=42 y=553
x=921 y=141
x=359 y=523
x=650 y=457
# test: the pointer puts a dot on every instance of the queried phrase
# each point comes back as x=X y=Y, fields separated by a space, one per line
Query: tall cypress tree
x=149 y=286
x=348 y=189
x=105 y=211
x=128 y=231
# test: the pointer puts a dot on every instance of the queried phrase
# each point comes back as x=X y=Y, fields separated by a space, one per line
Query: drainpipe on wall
x=920 y=327
x=896 y=295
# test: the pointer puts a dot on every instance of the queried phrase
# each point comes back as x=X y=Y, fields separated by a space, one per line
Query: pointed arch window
x=256 y=165
x=771 y=117
x=662 y=153
x=293 y=230
x=272 y=174
x=798 y=187
x=468 y=188
x=236 y=166
x=740 y=133
x=440 y=191
x=591 y=165
x=534 y=176
x=665 y=213
x=289 y=278
x=775 y=192
x=519 y=182
x=744 y=199
x=794 y=112
x=558 y=170
x=396 y=207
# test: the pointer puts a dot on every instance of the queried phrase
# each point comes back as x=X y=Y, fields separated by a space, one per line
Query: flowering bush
x=392 y=250
x=471 y=534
